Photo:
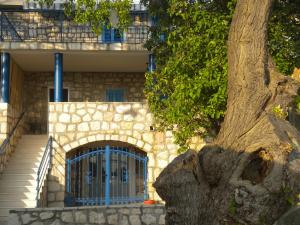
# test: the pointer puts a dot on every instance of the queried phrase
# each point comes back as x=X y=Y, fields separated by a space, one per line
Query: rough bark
x=252 y=171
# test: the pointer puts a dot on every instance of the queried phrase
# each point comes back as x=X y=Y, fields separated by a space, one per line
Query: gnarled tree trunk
x=252 y=171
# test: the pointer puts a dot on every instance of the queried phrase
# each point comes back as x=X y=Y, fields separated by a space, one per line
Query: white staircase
x=18 y=180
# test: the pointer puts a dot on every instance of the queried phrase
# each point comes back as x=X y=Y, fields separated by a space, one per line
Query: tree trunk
x=251 y=174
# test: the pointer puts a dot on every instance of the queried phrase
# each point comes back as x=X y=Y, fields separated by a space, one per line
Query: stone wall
x=82 y=87
x=10 y=113
x=51 y=26
x=76 y=124
x=113 y=215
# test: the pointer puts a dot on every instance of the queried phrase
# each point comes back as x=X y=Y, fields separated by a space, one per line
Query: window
x=115 y=95
x=112 y=35
x=65 y=95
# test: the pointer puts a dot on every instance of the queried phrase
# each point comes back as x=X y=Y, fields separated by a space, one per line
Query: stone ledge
x=135 y=214
x=71 y=46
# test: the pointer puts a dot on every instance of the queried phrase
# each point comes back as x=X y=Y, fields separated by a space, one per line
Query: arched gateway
x=104 y=173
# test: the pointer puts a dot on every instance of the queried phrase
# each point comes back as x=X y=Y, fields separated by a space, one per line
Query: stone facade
x=51 y=30
x=10 y=113
x=76 y=124
x=114 y=215
x=82 y=87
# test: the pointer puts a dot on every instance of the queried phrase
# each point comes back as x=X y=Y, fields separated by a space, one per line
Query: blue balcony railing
x=51 y=26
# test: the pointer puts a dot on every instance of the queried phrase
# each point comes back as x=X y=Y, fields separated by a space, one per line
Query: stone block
x=67 y=217
x=96 y=218
x=83 y=127
x=122 y=109
x=64 y=118
x=139 y=126
x=80 y=217
x=98 y=116
x=162 y=220
x=59 y=127
x=53 y=186
x=87 y=118
x=135 y=220
x=14 y=219
x=148 y=219
x=76 y=118
x=27 y=218
x=46 y=215
x=112 y=219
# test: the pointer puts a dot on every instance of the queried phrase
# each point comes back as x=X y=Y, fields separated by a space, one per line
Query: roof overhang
x=82 y=61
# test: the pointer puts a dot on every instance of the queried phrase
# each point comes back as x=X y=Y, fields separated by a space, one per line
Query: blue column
x=5 y=76
x=152 y=65
x=107 y=175
x=58 y=77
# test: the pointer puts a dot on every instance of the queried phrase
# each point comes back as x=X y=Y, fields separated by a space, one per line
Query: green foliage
x=232 y=207
x=97 y=13
x=187 y=92
x=284 y=35
x=297 y=102
x=280 y=112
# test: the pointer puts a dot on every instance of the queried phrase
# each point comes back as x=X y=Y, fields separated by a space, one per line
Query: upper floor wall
x=33 y=28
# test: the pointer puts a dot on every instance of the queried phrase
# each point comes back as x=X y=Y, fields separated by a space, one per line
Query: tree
x=188 y=90
x=251 y=173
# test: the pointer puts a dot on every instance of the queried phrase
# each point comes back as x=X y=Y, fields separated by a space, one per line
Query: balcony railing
x=51 y=26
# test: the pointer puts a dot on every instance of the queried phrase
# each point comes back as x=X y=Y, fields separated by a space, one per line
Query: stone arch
x=141 y=144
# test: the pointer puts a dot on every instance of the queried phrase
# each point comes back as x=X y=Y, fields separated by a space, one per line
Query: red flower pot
x=149 y=202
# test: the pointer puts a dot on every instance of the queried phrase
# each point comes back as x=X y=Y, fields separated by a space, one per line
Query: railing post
x=61 y=26
x=107 y=175
x=38 y=188
x=51 y=151
x=2 y=39
x=68 y=176
x=145 y=178
x=152 y=64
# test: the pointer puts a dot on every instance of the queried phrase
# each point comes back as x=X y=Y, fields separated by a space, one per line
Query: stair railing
x=44 y=167
x=6 y=143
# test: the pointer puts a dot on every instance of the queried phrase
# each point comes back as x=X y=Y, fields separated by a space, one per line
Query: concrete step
x=17 y=189
x=31 y=148
x=25 y=160
x=20 y=182
x=4 y=211
x=3 y=220
x=24 y=165
x=17 y=196
x=26 y=155
x=14 y=174
x=19 y=204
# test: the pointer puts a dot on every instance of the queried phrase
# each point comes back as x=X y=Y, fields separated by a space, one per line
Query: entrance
x=106 y=175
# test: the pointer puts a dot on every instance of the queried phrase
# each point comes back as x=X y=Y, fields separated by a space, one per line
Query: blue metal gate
x=107 y=175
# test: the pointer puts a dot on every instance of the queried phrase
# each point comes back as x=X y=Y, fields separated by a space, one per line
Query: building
x=74 y=122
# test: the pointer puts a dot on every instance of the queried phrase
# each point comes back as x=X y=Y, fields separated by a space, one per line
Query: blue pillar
x=107 y=175
x=58 y=77
x=152 y=65
x=5 y=76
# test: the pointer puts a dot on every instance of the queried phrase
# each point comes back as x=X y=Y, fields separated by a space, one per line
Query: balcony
x=44 y=28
